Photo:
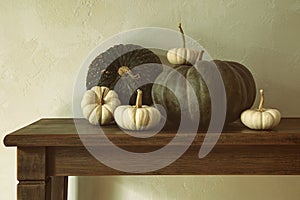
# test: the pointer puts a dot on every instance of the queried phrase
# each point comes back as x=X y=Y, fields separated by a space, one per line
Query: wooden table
x=50 y=150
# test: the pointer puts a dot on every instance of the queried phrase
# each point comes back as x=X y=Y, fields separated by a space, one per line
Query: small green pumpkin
x=124 y=69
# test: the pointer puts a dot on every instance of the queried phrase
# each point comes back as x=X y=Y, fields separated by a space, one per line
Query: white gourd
x=261 y=118
x=98 y=105
x=139 y=117
x=184 y=55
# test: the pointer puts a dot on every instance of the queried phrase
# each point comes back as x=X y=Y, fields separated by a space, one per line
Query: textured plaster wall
x=43 y=43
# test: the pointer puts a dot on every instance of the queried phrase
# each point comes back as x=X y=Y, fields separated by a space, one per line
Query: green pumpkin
x=239 y=86
x=124 y=69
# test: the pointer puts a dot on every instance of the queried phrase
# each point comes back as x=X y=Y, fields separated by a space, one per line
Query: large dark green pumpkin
x=125 y=68
x=239 y=87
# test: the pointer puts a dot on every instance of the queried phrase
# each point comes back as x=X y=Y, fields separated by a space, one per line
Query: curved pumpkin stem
x=182 y=35
x=126 y=70
x=139 y=97
x=261 y=103
x=200 y=56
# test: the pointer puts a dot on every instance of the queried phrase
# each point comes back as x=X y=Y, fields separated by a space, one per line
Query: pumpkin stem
x=103 y=94
x=261 y=103
x=139 y=97
x=182 y=35
x=200 y=56
x=125 y=70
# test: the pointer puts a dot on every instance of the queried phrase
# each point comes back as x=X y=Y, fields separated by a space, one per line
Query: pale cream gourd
x=139 y=117
x=184 y=55
x=261 y=118
x=98 y=105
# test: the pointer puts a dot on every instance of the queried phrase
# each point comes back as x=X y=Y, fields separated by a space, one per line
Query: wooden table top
x=238 y=151
x=62 y=132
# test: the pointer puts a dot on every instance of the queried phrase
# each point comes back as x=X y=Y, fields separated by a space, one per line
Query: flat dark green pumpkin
x=125 y=68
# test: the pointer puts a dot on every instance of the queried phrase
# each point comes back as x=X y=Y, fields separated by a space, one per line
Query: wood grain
x=62 y=132
x=223 y=160
x=57 y=188
x=49 y=150
x=33 y=190
x=31 y=163
x=54 y=188
x=35 y=183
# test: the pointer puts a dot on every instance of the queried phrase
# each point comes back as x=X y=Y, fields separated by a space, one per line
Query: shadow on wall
x=189 y=187
x=148 y=187
x=109 y=188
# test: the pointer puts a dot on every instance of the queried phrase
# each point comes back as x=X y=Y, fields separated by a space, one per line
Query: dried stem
x=122 y=71
x=139 y=97
x=261 y=103
x=182 y=35
x=103 y=94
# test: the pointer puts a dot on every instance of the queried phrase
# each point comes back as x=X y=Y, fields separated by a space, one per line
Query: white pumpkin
x=181 y=56
x=98 y=105
x=139 y=117
x=184 y=55
x=261 y=118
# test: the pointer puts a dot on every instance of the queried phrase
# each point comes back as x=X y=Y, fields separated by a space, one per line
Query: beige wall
x=43 y=43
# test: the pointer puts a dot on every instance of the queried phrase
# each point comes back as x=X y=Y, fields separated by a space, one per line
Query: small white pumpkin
x=261 y=118
x=184 y=55
x=139 y=117
x=98 y=105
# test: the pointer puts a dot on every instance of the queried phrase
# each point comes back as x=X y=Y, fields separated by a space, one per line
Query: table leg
x=34 y=184
x=57 y=188
x=34 y=190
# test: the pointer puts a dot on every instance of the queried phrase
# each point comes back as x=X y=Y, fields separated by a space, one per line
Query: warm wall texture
x=43 y=43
